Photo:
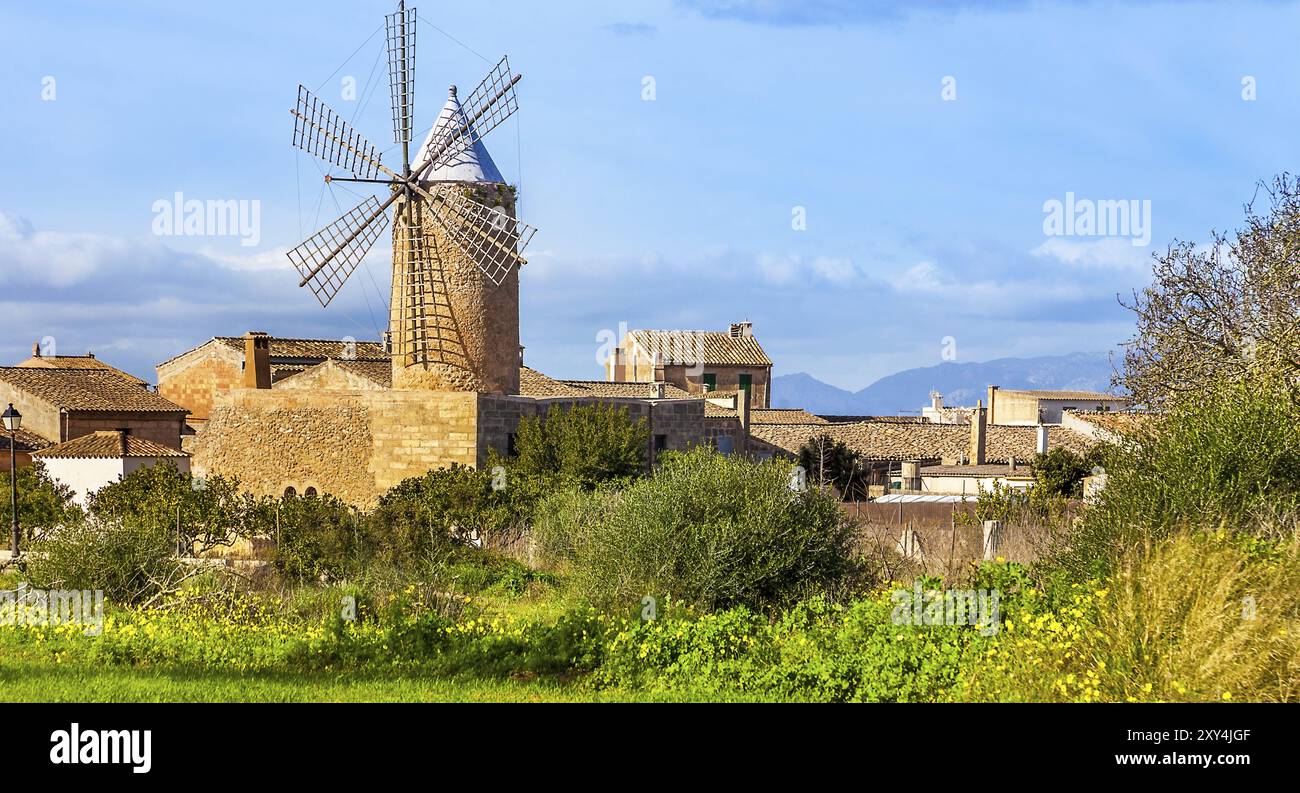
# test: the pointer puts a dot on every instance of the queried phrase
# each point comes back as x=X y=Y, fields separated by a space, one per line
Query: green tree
x=199 y=513
x=1060 y=472
x=43 y=503
x=582 y=446
x=827 y=461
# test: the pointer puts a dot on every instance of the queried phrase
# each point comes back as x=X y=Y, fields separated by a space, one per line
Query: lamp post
x=12 y=421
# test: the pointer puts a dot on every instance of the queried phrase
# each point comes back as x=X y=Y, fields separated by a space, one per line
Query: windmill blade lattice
x=429 y=329
x=488 y=236
x=320 y=131
x=401 y=70
x=326 y=259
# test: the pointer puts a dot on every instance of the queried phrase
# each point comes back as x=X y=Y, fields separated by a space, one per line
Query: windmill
x=454 y=313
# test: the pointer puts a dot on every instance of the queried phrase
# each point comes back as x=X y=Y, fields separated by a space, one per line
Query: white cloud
x=1107 y=253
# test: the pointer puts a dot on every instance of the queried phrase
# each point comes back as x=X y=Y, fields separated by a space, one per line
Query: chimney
x=978 y=434
x=659 y=368
x=1040 y=445
x=521 y=355
x=618 y=369
x=257 y=360
x=36 y=349
x=993 y=395
x=660 y=390
x=742 y=410
x=936 y=400
x=742 y=330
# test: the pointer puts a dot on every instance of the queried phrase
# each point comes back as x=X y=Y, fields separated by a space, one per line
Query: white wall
x=85 y=476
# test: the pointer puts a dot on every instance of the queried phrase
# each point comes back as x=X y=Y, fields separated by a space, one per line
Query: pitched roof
x=1115 y=422
x=78 y=362
x=108 y=444
x=379 y=372
x=314 y=350
x=883 y=440
x=86 y=389
x=533 y=383
x=712 y=348
x=24 y=441
x=1088 y=396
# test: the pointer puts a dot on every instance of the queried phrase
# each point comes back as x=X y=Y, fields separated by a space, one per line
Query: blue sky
x=924 y=214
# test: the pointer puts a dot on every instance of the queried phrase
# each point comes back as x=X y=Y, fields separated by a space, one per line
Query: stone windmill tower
x=454 y=315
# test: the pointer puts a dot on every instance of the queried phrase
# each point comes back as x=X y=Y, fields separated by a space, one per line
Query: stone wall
x=327 y=376
x=352 y=444
x=192 y=379
x=164 y=428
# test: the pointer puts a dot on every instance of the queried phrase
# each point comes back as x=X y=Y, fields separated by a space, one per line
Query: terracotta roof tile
x=108 y=444
x=313 y=349
x=533 y=383
x=714 y=348
x=1087 y=396
x=881 y=440
x=24 y=441
x=86 y=389
x=78 y=362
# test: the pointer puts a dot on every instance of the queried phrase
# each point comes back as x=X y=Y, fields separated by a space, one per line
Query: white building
x=88 y=463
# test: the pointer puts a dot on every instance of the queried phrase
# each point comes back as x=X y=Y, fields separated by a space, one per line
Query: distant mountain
x=960 y=383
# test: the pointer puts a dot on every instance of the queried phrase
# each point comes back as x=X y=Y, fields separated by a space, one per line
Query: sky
x=872 y=184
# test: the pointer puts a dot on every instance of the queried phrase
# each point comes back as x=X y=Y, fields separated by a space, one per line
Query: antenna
x=487 y=235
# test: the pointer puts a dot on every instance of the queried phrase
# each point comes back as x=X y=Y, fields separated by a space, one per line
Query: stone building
x=87 y=362
x=1026 y=407
x=62 y=404
x=696 y=361
x=193 y=378
x=92 y=461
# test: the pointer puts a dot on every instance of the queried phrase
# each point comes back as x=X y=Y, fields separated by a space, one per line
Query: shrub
x=1226 y=458
x=1061 y=471
x=315 y=538
x=131 y=560
x=582 y=446
x=712 y=531
x=426 y=515
x=1200 y=616
x=199 y=513
x=563 y=519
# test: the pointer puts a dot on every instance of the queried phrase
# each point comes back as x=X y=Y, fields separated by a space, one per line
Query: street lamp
x=12 y=421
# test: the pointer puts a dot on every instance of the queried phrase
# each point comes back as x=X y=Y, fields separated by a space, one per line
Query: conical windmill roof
x=472 y=165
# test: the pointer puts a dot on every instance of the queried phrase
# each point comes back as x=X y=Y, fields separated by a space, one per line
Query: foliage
x=131 y=560
x=1196 y=617
x=1224 y=313
x=43 y=503
x=197 y=513
x=316 y=538
x=827 y=461
x=1230 y=458
x=426 y=515
x=712 y=531
x=582 y=446
x=1061 y=471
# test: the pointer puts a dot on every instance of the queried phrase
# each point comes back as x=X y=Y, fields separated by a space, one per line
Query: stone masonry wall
x=352 y=444
x=191 y=381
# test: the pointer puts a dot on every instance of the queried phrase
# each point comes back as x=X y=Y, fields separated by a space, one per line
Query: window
x=661 y=442
x=511 y=449
x=710 y=381
x=746 y=380
x=290 y=492
x=725 y=444
x=309 y=492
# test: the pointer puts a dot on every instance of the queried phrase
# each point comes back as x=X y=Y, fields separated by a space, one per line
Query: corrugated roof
x=711 y=348
x=108 y=444
x=86 y=389
x=918 y=442
x=78 y=362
